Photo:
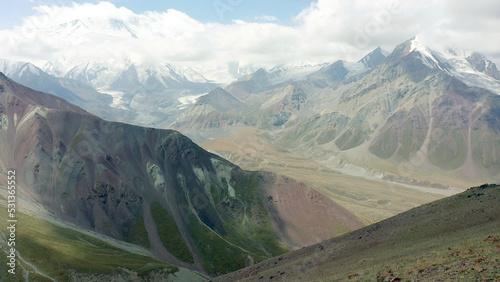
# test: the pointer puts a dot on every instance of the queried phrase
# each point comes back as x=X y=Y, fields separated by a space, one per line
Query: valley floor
x=369 y=198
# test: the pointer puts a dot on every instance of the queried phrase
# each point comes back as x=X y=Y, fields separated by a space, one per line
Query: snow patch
x=294 y=72
x=224 y=172
x=355 y=68
x=231 y=192
x=187 y=101
x=157 y=176
x=200 y=174
x=28 y=116
x=118 y=100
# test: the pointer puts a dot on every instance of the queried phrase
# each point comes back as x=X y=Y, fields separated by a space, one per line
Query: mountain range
x=105 y=156
x=152 y=188
x=404 y=117
x=415 y=116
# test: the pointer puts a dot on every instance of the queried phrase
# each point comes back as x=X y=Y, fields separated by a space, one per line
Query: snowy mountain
x=33 y=77
x=343 y=71
x=414 y=103
x=472 y=68
x=154 y=93
x=420 y=108
x=293 y=72
x=149 y=95
x=79 y=93
x=124 y=75
x=130 y=40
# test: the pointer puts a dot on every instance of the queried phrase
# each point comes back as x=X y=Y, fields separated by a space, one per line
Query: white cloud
x=325 y=31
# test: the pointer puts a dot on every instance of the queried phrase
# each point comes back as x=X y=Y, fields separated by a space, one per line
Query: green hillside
x=47 y=251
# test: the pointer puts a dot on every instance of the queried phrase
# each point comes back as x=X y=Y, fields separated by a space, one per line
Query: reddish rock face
x=302 y=216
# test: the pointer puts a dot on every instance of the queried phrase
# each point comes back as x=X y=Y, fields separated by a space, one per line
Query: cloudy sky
x=256 y=32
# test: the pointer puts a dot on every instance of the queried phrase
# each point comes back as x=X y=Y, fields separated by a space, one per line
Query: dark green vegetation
x=456 y=238
x=138 y=234
x=169 y=233
x=217 y=255
x=245 y=234
x=47 y=250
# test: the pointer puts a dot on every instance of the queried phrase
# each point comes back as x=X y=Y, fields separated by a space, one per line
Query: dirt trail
x=35 y=269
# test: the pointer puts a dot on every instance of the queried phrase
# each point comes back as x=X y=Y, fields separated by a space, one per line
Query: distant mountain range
x=146 y=95
x=413 y=103
x=411 y=110
x=416 y=110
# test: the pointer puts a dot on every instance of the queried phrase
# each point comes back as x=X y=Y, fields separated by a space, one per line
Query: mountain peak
x=427 y=55
x=416 y=48
x=374 y=58
x=480 y=63
x=221 y=100
x=3 y=77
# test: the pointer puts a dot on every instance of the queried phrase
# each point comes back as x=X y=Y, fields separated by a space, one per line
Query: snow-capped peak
x=427 y=55
x=17 y=68
x=469 y=67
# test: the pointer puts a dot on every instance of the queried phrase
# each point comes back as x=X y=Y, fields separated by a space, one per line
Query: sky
x=222 y=11
x=249 y=32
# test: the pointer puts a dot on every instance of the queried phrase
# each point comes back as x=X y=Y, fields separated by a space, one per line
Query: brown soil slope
x=453 y=238
x=300 y=214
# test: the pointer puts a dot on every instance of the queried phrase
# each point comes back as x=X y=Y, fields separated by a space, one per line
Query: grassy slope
x=456 y=238
x=169 y=234
x=62 y=253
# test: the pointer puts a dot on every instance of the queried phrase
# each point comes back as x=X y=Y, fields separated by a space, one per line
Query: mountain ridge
x=137 y=184
x=452 y=238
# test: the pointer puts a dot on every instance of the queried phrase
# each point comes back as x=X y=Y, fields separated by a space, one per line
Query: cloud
x=327 y=30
